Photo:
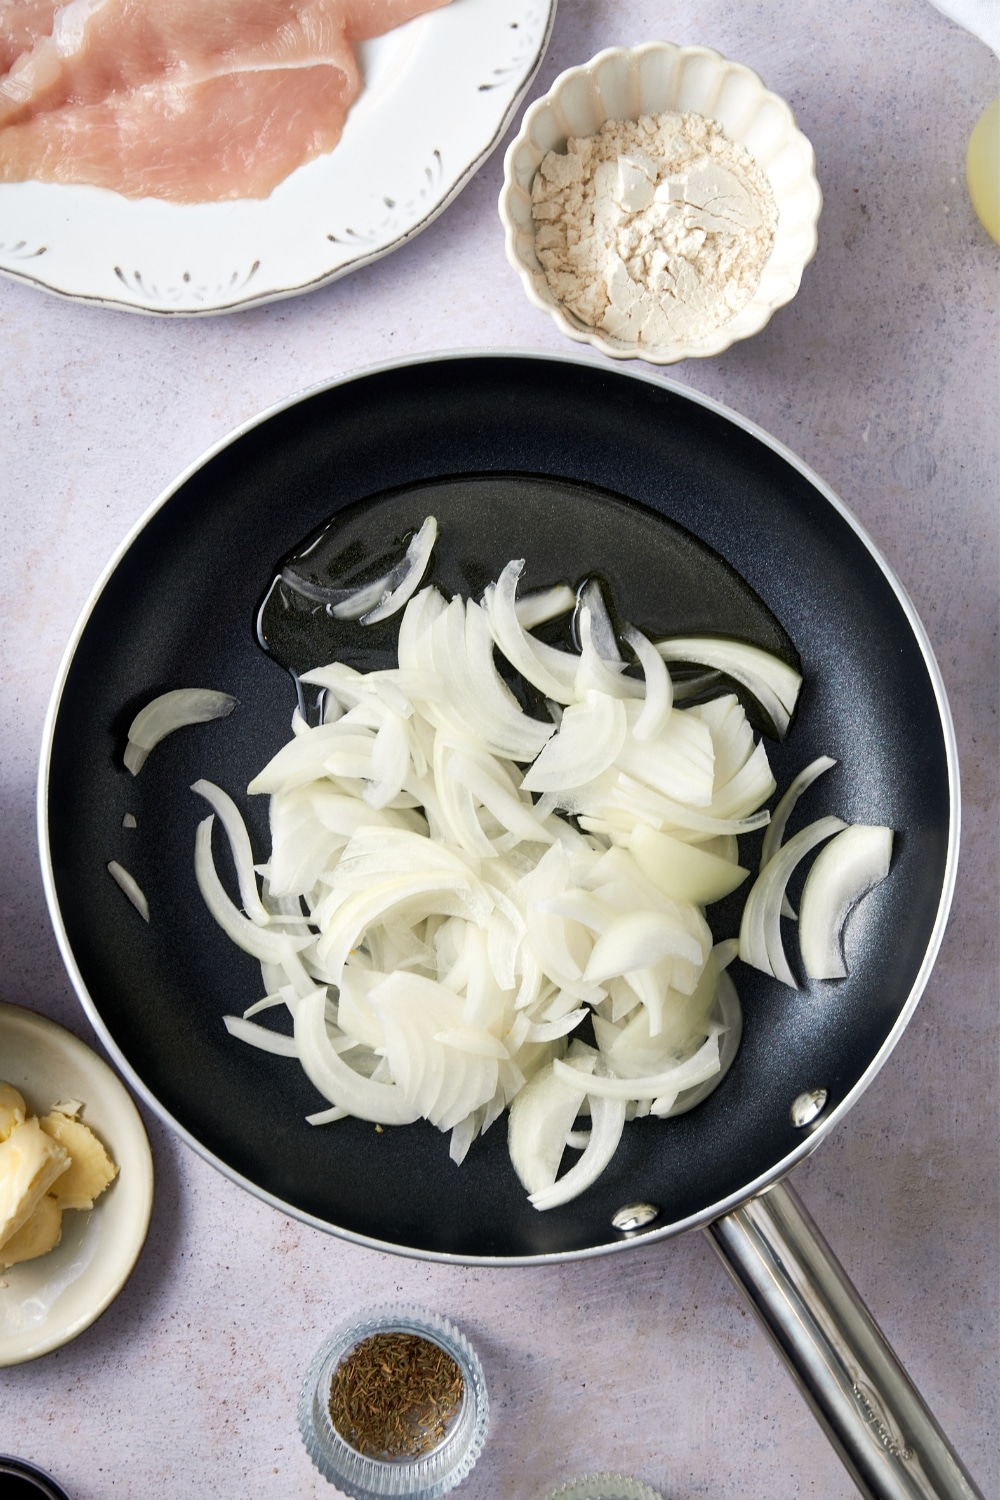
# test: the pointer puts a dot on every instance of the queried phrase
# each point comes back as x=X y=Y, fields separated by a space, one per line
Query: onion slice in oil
x=239 y=842
x=847 y=869
x=760 y=928
x=269 y=947
x=383 y=1103
x=542 y=605
x=377 y=601
x=775 y=830
x=418 y=555
x=607 y=1123
x=260 y=1036
x=773 y=683
x=170 y=711
x=130 y=887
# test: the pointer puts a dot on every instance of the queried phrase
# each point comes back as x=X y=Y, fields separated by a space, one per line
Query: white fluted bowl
x=624 y=84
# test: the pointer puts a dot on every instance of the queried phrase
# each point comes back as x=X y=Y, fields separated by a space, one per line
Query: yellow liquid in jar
x=982 y=169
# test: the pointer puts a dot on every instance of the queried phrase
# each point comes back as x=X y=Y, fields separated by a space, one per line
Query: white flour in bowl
x=654 y=230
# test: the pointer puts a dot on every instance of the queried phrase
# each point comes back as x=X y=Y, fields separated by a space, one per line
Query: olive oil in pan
x=653 y=573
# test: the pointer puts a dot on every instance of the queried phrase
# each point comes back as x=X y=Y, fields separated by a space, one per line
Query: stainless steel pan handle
x=861 y=1395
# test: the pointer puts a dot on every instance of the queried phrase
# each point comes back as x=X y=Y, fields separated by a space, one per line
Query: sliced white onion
x=760 y=928
x=729 y=1016
x=442 y=1081
x=679 y=763
x=390 y=762
x=168 y=712
x=239 y=842
x=551 y=1031
x=652 y=807
x=596 y=671
x=589 y=738
x=544 y=604
x=425 y=892
x=477 y=701
x=703 y=1065
x=468 y=928
x=751 y=785
x=261 y=1036
x=383 y=1103
x=270 y=947
x=130 y=886
x=351 y=688
x=412 y=647
x=517 y=817
x=694 y=686
x=640 y=940
x=377 y=601
x=552 y=672
x=458 y=814
x=847 y=869
x=773 y=683
x=463 y=1135
x=474 y=1039
x=358 y=601
x=328 y=1116
x=732 y=736
x=513 y=732
x=541 y=1117
x=681 y=870
x=376 y=854
x=607 y=1123
x=302 y=759
x=659 y=688
x=591 y=598
x=775 y=831
x=268 y=1002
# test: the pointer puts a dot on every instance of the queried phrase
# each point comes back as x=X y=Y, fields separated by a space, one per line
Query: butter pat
x=90 y=1169
x=12 y=1109
x=30 y=1162
x=37 y=1235
x=46 y=1166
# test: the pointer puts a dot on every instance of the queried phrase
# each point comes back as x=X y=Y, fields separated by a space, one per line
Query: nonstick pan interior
x=570 y=466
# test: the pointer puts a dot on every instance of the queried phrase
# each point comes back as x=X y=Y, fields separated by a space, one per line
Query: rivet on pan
x=808 y=1107
x=635 y=1216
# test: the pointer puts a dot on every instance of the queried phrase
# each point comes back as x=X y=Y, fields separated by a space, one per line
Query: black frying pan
x=575 y=468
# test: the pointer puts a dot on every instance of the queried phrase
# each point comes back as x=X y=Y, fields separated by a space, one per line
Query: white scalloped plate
x=46 y=1302
x=623 y=83
x=439 y=93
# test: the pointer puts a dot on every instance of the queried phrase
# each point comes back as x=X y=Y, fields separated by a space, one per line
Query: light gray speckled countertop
x=884 y=376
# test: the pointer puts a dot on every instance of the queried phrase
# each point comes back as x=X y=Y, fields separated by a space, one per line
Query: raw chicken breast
x=368 y=18
x=22 y=22
x=187 y=100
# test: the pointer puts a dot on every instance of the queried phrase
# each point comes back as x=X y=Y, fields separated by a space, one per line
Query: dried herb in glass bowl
x=394 y=1395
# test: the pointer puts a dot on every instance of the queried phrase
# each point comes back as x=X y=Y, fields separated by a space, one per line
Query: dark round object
x=20 y=1480
x=698 y=521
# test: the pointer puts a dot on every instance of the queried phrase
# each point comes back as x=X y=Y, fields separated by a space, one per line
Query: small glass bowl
x=604 y=1487
x=426 y=1476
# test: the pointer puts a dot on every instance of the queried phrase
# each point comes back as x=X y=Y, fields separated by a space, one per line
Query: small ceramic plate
x=46 y=1302
x=439 y=93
